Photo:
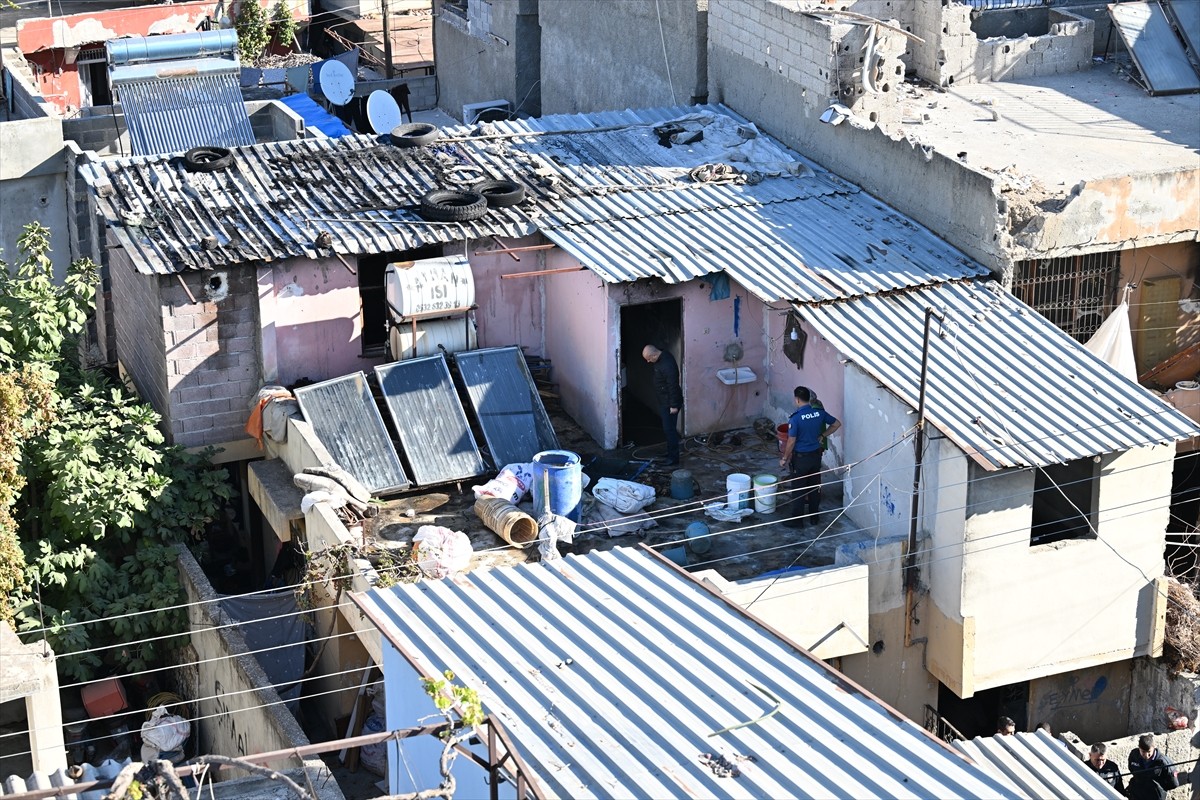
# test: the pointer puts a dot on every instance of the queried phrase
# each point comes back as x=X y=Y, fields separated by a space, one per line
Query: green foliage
x=283 y=24
x=99 y=501
x=252 y=30
x=446 y=695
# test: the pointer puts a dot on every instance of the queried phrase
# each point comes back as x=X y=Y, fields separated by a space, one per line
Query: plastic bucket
x=781 y=433
x=737 y=488
x=681 y=484
x=506 y=520
x=764 y=493
x=698 y=538
x=561 y=472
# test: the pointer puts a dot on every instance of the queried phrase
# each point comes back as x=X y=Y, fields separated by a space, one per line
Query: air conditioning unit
x=487 y=111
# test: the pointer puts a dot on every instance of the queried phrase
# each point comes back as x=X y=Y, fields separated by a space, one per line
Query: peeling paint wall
x=52 y=44
x=1109 y=214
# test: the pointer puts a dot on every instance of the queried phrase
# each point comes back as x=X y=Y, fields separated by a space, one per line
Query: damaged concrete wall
x=826 y=58
x=961 y=203
x=1155 y=690
x=33 y=187
x=969 y=46
x=623 y=63
x=1109 y=213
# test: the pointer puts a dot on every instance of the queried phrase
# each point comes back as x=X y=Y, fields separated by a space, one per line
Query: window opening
x=1075 y=293
x=1065 y=500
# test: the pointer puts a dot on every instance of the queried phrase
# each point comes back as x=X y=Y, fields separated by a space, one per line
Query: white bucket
x=764 y=493
x=737 y=488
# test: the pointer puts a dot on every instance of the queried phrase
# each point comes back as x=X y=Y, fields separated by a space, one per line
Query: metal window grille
x=1075 y=293
x=939 y=727
x=91 y=54
x=983 y=5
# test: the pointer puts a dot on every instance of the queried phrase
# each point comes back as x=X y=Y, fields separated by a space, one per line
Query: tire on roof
x=449 y=205
x=414 y=134
x=207 y=159
x=500 y=194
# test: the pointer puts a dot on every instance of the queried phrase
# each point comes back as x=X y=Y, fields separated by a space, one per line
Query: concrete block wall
x=958 y=202
x=822 y=56
x=212 y=353
x=24 y=100
x=422 y=90
x=963 y=57
x=99 y=132
x=138 y=321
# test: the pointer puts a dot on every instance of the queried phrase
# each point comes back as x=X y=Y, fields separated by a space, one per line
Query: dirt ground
x=738 y=550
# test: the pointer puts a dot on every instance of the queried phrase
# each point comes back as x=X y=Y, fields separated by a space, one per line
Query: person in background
x=670 y=396
x=1108 y=771
x=1005 y=727
x=808 y=430
x=1150 y=777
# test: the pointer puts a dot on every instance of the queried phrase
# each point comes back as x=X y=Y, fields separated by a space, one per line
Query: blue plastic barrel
x=565 y=475
x=698 y=538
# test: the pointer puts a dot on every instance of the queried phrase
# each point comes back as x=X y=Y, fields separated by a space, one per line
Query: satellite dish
x=382 y=111
x=337 y=84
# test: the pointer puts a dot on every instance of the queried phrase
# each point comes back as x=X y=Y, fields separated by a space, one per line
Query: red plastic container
x=104 y=698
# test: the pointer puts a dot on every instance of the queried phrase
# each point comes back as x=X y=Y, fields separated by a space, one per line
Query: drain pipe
x=911 y=576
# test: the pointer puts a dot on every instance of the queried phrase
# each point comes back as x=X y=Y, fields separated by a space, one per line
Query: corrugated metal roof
x=625 y=666
x=275 y=200
x=344 y=417
x=1004 y=384
x=506 y=403
x=1038 y=766
x=174 y=106
x=603 y=186
x=430 y=420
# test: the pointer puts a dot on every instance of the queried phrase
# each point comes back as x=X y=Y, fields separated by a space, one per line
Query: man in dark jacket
x=1150 y=777
x=670 y=396
x=1108 y=771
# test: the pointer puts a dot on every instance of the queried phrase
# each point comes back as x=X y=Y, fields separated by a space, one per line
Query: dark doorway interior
x=659 y=324
x=373 y=293
x=977 y=716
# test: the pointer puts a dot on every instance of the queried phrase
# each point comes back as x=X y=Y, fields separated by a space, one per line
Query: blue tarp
x=314 y=116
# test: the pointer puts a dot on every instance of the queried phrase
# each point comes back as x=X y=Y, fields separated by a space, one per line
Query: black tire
x=207 y=159
x=500 y=194
x=414 y=134
x=447 y=205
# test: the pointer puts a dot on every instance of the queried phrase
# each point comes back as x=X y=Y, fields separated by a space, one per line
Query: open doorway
x=978 y=715
x=659 y=324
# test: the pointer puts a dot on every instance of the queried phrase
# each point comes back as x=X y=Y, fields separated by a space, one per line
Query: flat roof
x=1060 y=129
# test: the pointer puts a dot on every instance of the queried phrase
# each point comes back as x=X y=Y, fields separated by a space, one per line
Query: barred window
x=1075 y=293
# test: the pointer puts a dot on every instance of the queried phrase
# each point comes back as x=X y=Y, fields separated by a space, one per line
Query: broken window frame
x=1076 y=293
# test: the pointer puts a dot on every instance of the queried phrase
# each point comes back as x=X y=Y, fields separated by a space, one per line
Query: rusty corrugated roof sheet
x=605 y=187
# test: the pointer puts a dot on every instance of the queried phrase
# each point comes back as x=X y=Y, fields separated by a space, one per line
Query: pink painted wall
x=510 y=309
x=822 y=372
x=311 y=321
x=580 y=348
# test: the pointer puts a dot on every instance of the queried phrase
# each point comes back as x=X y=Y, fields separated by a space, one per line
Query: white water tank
x=428 y=286
x=453 y=333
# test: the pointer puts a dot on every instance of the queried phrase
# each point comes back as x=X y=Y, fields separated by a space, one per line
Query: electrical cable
x=676 y=510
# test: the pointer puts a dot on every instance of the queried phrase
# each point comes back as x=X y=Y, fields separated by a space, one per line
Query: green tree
x=98 y=499
x=283 y=24
x=252 y=30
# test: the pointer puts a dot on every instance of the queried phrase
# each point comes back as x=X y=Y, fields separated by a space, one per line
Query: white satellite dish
x=382 y=111
x=337 y=84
